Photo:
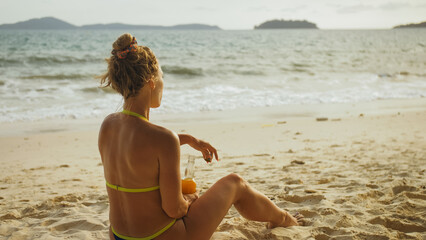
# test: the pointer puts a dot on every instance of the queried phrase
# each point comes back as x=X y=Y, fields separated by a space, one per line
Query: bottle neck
x=189 y=171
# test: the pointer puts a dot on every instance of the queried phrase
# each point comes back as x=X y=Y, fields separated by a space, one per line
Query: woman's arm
x=204 y=147
x=173 y=202
x=185 y=139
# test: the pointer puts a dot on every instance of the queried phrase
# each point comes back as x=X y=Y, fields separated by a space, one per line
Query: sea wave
x=198 y=72
x=247 y=72
x=98 y=90
x=297 y=70
x=403 y=76
x=6 y=62
x=62 y=76
x=301 y=65
x=58 y=59
x=47 y=60
x=178 y=70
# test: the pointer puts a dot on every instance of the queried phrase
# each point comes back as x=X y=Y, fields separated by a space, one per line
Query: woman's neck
x=137 y=105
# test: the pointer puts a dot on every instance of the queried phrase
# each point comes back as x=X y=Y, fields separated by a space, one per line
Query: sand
x=356 y=171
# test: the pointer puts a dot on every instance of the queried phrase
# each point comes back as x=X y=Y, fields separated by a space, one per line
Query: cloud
x=386 y=6
x=294 y=9
x=354 y=9
x=394 y=6
x=398 y=6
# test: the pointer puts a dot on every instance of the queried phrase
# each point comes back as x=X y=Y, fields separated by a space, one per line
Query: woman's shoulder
x=156 y=132
x=165 y=135
x=109 y=120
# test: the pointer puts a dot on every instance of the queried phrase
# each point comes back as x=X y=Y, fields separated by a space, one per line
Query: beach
x=354 y=170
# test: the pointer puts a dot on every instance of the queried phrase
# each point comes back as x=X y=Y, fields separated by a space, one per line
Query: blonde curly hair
x=127 y=75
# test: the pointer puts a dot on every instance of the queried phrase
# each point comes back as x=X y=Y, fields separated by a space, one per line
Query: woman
x=142 y=166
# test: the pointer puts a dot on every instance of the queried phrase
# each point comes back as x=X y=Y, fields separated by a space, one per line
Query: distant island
x=412 y=25
x=286 y=24
x=50 y=23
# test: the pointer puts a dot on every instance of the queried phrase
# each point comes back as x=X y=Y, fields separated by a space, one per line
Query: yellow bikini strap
x=134 y=114
x=132 y=190
x=145 y=238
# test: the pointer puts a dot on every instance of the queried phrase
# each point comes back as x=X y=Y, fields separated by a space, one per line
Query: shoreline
x=321 y=110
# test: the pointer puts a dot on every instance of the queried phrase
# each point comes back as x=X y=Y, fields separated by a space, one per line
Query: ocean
x=51 y=74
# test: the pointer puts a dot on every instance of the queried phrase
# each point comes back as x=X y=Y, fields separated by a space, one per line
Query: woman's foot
x=288 y=221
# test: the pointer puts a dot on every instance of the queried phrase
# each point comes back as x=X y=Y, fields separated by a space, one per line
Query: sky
x=227 y=14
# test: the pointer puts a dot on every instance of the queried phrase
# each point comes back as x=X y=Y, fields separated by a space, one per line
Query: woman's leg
x=206 y=213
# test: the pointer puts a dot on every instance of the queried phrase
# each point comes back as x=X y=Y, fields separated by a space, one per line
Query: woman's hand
x=204 y=147
x=190 y=198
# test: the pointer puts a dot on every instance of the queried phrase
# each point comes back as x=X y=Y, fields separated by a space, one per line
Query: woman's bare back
x=130 y=160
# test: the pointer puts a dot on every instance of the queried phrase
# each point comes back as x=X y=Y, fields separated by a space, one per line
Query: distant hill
x=40 y=23
x=118 y=26
x=412 y=25
x=285 y=24
x=113 y=26
x=57 y=24
x=194 y=26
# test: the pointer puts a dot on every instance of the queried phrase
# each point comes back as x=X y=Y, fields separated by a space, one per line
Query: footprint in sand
x=416 y=195
x=98 y=207
x=12 y=214
x=325 y=180
x=33 y=212
x=48 y=222
x=304 y=199
x=327 y=211
x=403 y=188
x=371 y=236
x=308 y=213
x=88 y=225
x=321 y=236
x=326 y=233
x=292 y=181
x=347 y=221
x=373 y=186
x=221 y=235
x=68 y=198
x=225 y=227
x=397 y=224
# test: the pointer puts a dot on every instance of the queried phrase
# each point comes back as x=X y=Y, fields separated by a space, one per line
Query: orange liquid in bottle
x=188 y=186
x=188 y=183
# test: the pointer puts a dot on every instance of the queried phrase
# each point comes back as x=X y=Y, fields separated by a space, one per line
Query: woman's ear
x=151 y=84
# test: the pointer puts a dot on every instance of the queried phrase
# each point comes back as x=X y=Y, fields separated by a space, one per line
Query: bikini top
x=132 y=190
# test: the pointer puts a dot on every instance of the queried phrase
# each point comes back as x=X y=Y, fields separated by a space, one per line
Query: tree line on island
x=279 y=24
x=50 y=23
x=303 y=24
x=412 y=25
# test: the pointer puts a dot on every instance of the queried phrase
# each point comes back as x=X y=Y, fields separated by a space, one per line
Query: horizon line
x=230 y=29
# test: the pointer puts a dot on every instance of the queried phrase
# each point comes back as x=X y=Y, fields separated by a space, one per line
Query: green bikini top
x=132 y=190
x=134 y=114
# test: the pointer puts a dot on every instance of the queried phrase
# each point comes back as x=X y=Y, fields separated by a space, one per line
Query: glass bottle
x=188 y=183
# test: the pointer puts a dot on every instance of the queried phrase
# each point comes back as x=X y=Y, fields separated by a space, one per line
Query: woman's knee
x=235 y=179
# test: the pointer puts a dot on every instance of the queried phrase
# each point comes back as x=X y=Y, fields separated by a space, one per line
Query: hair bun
x=122 y=42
